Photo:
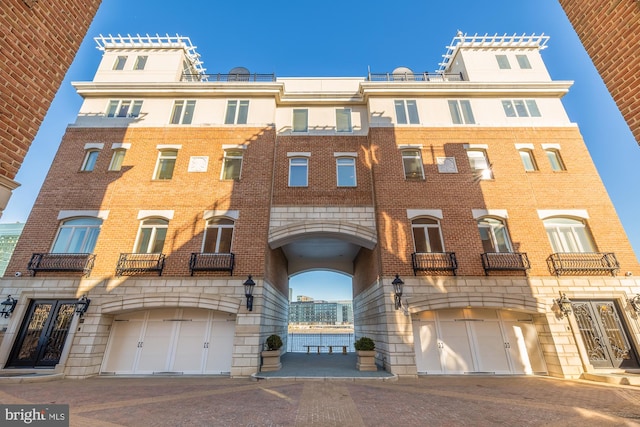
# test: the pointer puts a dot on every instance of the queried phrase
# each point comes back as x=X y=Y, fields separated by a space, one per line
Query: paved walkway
x=426 y=401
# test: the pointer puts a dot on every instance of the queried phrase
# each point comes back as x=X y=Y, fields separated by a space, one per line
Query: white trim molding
x=476 y=146
x=167 y=214
x=550 y=146
x=479 y=213
x=345 y=154
x=234 y=146
x=220 y=212
x=527 y=146
x=169 y=146
x=299 y=154
x=579 y=213
x=121 y=145
x=414 y=213
x=408 y=146
x=102 y=214
x=93 y=146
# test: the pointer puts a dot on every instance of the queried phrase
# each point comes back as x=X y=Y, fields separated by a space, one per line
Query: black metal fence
x=319 y=342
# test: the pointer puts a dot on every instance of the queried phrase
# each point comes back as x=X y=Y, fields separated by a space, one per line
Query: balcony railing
x=131 y=264
x=415 y=77
x=577 y=263
x=239 y=77
x=82 y=263
x=201 y=261
x=505 y=261
x=434 y=262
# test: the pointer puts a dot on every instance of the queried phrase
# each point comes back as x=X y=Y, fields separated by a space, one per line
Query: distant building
x=610 y=32
x=9 y=235
x=307 y=311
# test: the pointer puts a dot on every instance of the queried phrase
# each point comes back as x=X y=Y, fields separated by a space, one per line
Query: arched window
x=427 y=236
x=569 y=235
x=218 y=236
x=90 y=159
x=151 y=236
x=77 y=236
x=528 y=160
x=555 y=159
x=494 y=235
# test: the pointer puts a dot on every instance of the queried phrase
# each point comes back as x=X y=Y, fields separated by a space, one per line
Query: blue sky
x=344 y=38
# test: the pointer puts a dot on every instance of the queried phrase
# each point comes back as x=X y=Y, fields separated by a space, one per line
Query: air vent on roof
x=239 y=74
x=403 y=73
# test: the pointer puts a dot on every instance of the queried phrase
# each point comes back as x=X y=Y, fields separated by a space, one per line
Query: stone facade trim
x=414 y=213
x=479 y=213
x=168 y=214
x=64 y=214
x=546 y=213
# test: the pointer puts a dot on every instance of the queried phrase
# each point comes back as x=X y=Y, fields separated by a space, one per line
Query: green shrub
x=364 y=344
x=274 y=342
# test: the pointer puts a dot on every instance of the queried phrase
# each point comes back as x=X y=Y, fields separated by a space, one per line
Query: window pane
x=527 y=160
x=582 y=235
x=210 y=240
x=141 y=61
x=298 y=172
x=188 y=112
x=485 y=237
x=343 y=120
x=62 y=241
x=226 y=236
x=116 y=160
x=503 y=62
x=119 y=64
x=143 y=241
x=520 y=108
x=158 y=242
x=230 y=117
x=508 y=109
x=455 y=112
x=533 y=108
x=435 y=242
x=124 y=109
x=467 y=113
x=135 y=109
x=77 y=238
x=232 y=166
x=90 y=161
x=477 y=160
x=523 y=62
x=243 y=112
x=502 y=238
x=401 y=116
x=554 y=159
x=177 y=112
x=90 y=240
x=112 y=108
x=412 y=108
x=419 y=239
x=300 y=120
x=165 y=168
x=346 y=172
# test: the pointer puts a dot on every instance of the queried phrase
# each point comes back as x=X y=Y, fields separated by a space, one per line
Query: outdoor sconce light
x=82 y=305
x=248 y=292
x=635 y=303
x=8 y=306
x=397 y=289
x=565 y=304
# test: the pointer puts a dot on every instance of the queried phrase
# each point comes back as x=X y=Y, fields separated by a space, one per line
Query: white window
x=528 y=160
x=412 y=163
x=124 y=108
x=77 y=236
x=300 y=120
x=407 y=112
x=232 y=164
x=116 y=159
x=183 y=112
x=346 y=171
x=343 y=120
x=555 y=159
x=521 y=108
x=218 y=236
x=479 y=163
x=568 y=235
x=165 y=164
x=151 y=236
x=119 y=64
x=89 y=161
x=140 y=63
x=503 y=62
x=494 y=235
x=523 y=62
x=298 y=172
x=427 y=236
x=461 y=112
x=237 y=112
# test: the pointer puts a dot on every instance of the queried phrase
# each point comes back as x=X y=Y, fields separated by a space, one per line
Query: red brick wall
x=39 y=41
x=610 y=32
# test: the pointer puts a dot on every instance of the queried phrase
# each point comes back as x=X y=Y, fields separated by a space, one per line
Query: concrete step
x=621 y=378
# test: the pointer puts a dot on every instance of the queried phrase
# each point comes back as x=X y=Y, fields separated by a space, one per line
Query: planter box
x=270 y=361
x=366 y=360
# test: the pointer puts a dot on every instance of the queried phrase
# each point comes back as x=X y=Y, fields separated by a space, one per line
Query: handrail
x=505 y=261
x=583 y=263
x=417 y=77
x=136 y=263
x=208 y=261
x=236 y=77
x=82 y=262
x=434 y=262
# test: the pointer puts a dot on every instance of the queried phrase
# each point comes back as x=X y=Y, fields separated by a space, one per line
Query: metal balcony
x=583 y=263
x=201 y=261
x=434 y=262
x=54 y=262
x=237 y=77
x=505 y=261
x=132 y=264
x=415 y=77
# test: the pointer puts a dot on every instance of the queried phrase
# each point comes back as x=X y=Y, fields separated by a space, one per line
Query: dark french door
x=43 y=334
x=604 y=335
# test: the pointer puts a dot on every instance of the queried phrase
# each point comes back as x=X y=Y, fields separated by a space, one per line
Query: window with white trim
x=183 y=112
x=237 y=112
x=151 y=236
x=218 y=236
x=165 y=164
x=406 y=112
x=503 y=62
x=343 y=120
x=494 y=235
x=521 y=108
x=346 y=171
x=461 y=112
x=141 y=62
x=412 y=164
x=528 y=161
x=124 y=108
x=427 y=236
x=479 y=162
x=77 y=236
x=90 y=159
x=300 y=120
x=119 y=64
x=116 y=159
x=523 y=62
x=232 y=164
x=298 y=171
x=568 y=235
x=555 y=159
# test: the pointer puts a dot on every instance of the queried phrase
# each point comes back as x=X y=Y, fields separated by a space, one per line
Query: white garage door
x=186 y=341
x=463 y=341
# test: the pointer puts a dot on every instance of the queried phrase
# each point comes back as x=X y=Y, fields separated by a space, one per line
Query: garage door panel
x=456 y=351
x=123 y=346
x=219 y=354
x=490 y=348
x=154 y=353
x=427 y=351
x=190 y=346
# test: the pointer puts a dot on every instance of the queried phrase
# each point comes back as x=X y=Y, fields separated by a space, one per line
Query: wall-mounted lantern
x=564 y=304
x=397 y=290
x=8 y=306
x=249 y=284
x=82 y=305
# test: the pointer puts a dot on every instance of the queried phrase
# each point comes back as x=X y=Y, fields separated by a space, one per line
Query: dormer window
x=503 y=62
x=141 y=61
x=523 y=62
x=119 y=64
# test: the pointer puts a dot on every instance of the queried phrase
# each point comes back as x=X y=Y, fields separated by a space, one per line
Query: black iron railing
x=82 y=263
x=415 y=77
x=505 y=261
x=229 y=77
x=201 y=261
x=583 y=263
x=320 y=342
x=434 y=262
x=130 y=264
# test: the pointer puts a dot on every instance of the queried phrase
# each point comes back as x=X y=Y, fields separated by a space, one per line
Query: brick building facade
x=39 y=42
x=470 y=184
x=610 y=30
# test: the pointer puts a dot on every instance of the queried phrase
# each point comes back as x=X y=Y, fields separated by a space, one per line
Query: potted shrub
x=365 y=349
x=271 y=356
